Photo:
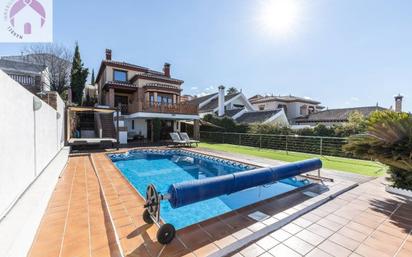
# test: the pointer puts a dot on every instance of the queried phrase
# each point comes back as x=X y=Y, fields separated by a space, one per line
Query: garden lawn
x=368 y=168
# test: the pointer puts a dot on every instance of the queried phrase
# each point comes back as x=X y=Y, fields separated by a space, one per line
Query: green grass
x=368 y=168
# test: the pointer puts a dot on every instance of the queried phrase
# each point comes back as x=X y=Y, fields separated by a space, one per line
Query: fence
x=331 y=146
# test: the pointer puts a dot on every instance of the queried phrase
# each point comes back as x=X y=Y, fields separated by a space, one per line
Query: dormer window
x=120 y=75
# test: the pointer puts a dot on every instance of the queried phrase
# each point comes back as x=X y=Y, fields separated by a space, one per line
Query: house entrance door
x=123 y=100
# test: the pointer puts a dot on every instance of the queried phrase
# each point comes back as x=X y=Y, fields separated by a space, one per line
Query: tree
x=232 y=90
x=388 y=140
x=323 y=131
x=356 y=124
x=78 y=76
x=57 y=58
x=92 y=80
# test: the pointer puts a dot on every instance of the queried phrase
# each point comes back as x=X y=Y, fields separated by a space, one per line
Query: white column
x=221 y=101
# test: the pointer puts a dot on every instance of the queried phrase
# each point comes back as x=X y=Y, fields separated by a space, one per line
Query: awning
x=91 y=109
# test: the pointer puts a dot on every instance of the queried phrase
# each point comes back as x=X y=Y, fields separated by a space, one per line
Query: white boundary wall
x=29 y=140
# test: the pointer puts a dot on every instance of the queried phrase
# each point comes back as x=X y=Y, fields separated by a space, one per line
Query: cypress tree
x=78 y=76
x=92 y=80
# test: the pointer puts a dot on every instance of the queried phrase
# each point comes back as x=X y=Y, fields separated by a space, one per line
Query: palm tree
x=389 y=141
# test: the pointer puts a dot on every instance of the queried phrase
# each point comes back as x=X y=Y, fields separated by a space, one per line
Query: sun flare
x=279 y=17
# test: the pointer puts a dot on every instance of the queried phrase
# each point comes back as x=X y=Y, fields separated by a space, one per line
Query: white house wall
x=140 y=125
x=293 y=108
x=29 y=140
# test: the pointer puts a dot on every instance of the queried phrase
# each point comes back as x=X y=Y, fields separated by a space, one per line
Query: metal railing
x=331 y=146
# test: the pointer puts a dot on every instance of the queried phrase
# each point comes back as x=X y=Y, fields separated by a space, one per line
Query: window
x=133 y=124
x=261 y=107
x=120 y=75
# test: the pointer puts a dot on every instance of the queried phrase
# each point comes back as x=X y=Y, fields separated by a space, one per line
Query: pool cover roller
x=184 y=193
x=181 y=194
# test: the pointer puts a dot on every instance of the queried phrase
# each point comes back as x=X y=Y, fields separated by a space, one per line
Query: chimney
x=166 y=69
x=108 y=54
x=221 y=101
x=398 y=103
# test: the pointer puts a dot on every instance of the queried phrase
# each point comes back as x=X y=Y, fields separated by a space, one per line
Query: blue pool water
x=165 y=167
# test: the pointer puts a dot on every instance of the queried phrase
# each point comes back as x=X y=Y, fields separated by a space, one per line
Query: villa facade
x=292 y=105
x=237 y=107
x=142 y=96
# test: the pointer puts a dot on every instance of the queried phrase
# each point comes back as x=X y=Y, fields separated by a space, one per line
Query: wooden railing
x=179 y=108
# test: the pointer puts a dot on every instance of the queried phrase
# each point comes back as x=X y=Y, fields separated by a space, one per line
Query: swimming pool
x=165 y=167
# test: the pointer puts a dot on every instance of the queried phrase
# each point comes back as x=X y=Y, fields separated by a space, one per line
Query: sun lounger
x=186 y=138
x=176 y=139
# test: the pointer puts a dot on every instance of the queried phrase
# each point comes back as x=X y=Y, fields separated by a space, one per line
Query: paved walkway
x=365 y=221
x=75 y=222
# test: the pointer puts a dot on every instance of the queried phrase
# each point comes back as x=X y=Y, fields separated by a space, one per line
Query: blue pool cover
x=189 y=192
x=164 y=168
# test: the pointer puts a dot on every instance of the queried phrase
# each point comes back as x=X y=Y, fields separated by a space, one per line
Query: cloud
x=194 y=88
x=206 y=91
x=354 y=98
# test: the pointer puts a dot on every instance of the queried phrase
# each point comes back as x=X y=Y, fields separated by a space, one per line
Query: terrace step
x=107 y=125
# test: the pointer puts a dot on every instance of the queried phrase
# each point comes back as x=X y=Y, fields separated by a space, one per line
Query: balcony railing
x=179 y=108
x=156 y=107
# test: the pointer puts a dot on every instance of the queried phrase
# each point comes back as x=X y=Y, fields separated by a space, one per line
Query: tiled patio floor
x=365 y=221
x=75 y=223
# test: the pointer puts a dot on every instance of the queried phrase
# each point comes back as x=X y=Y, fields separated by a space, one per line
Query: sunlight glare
x=279 y=17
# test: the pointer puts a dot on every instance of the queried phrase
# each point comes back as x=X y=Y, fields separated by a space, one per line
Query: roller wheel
x=165 y=234
x=146 y=217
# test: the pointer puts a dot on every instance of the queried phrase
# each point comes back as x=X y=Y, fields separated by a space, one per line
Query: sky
x=343 y=53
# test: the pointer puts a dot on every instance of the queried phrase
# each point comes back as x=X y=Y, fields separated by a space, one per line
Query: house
x=338 y=116
x=210 y=104
x=90 y=92
x=58 y=66
x=237 y=107
x=34 y=77
x=185 y=98
x=334 y=116
x=144 y=95
x=293 y=106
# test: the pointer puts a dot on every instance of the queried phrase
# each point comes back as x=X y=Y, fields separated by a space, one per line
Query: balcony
x=157 y=107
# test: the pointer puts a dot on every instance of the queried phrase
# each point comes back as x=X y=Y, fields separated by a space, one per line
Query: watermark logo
x=26 y=21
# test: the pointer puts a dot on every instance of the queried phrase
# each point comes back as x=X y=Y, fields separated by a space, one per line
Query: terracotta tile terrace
x=94 y=211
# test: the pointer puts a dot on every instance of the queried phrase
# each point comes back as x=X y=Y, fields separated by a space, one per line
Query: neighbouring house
x=90 y=92
x=144 y=95
x=185 y=98
x=292 y=105
x=59 y=69
x=33 y=77
x=237 y=107
x=334 y=116
x=331 y=117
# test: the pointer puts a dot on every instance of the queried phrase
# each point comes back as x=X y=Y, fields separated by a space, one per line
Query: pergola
x=71 y=111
